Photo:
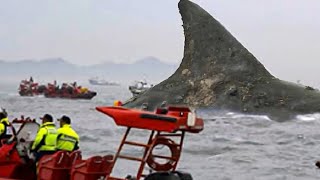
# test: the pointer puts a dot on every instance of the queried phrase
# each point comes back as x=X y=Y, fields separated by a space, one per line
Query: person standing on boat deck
x=68 y=139
x=46 y=139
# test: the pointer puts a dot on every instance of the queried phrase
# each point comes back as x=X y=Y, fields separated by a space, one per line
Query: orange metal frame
x=148 y=149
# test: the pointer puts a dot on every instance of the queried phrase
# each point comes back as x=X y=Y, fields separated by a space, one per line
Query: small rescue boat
x=87 y=95
x=139 y=87
x=30 y=88
x=69 y=91
x=167 y=127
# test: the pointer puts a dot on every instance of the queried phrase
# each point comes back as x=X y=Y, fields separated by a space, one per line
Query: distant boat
x=102 y=82
x=30 y=88
x=139 y=87
x=69 y=91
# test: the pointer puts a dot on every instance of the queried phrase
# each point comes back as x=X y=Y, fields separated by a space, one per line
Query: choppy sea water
x=232 y=146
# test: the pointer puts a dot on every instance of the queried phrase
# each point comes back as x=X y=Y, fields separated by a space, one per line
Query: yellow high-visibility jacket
x=3 y=126
x=68 y=139
x=46 y=138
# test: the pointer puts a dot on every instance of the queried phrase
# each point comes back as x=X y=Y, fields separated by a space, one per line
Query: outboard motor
x=171 y=175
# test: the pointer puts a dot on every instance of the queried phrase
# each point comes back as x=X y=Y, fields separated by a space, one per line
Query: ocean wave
x=308 y=117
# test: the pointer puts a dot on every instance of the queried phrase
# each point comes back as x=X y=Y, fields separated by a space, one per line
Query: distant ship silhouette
x=102 y=82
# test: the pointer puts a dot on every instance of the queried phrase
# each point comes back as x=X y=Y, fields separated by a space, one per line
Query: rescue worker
x=46 y=139
x=68 y=139
x=4 y=126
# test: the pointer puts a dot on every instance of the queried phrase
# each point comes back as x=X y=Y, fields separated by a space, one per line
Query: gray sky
x=282 y=34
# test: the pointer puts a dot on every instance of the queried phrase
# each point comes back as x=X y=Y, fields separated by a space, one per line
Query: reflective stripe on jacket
x=46 y=138
x=68 y=139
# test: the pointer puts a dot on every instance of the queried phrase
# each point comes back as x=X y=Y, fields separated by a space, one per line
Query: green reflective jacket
x=46 y=138
x=3 y=125
x=68 y=139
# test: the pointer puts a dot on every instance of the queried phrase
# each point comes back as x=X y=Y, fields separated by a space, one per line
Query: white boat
x=139 y=87
x=102 y=82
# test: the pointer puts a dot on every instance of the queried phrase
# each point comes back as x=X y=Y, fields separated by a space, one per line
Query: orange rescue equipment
x=117 y=103
x=172 y=161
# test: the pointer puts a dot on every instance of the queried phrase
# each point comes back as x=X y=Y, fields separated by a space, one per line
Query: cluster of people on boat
x=49 y=139
x=68 y=90
x=30 y=88
x=72 y=88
